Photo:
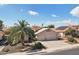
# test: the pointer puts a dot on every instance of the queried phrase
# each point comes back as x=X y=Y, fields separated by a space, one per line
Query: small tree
x=1 y=24
x=51 y=26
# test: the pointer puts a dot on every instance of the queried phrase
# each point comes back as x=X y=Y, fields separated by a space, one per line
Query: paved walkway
x=52 y=46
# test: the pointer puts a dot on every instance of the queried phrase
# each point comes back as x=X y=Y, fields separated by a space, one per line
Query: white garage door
x=50 y=35
x=47 y=35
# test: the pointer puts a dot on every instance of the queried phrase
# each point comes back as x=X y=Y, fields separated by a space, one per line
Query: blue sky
x=37 y=14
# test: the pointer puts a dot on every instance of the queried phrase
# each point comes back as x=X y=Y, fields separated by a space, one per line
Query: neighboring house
x=36 y=28
x=1 y=35
x=75 y=27
x=47 y=34
x=61 y=30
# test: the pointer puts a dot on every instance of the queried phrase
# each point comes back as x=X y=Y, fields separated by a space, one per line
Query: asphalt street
x=65 y=52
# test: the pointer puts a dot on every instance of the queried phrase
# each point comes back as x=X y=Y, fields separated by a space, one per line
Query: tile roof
x=62 y=28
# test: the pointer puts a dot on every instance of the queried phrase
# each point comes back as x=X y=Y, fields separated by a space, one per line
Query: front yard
x=51 y=46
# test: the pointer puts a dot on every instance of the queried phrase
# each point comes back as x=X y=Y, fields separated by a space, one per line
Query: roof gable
x=44 y=29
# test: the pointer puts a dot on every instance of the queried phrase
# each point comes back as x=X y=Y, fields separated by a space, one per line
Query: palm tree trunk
x=22 y=39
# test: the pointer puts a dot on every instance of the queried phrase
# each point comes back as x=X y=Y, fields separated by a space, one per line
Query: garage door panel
x=50 y=35
x=47 y=35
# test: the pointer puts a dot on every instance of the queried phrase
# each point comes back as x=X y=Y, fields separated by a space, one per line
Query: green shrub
x=38 y=45
x=69 y=31
x=77 y=34
x=71 y=39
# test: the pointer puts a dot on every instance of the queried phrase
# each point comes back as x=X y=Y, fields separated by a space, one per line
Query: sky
x=37 y=14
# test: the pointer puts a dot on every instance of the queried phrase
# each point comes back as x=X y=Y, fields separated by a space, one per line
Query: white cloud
x=75 y=11
x=53 y=15
x=33 y=13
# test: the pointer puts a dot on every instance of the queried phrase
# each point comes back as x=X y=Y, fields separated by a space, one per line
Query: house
x=47 y=34
x=1 y=35
x=35 y=28
x=53 y=33
x=75 y=27
x=61 y=30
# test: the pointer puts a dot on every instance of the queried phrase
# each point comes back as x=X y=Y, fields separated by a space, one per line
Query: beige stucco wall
x=61 y=35
x=1 y=34
x=47 y=35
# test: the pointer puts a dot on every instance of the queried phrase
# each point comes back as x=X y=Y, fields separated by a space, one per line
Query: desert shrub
x=69 y=31
x=6 y=50
x=38 y=45
x=7 y=31
x=71 y=39
x=73 y=33
x=77 y=34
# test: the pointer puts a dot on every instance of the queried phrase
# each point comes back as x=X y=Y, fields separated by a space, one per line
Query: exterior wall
x=1 y=34
x=47 y=35
x=35 y=28
x=61 y=35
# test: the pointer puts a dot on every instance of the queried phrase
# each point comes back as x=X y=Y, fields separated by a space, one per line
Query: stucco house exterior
x=35 y=28
x=46 y=34
x=1 y=34
x=61 y=30
x=53 y=33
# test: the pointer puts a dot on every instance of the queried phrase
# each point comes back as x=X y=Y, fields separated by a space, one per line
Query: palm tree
x=31 y=35
x=22 y=25
x=42 y=25
x=18 y=32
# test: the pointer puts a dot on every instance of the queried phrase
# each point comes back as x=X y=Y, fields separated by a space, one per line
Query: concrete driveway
x=54 y=44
